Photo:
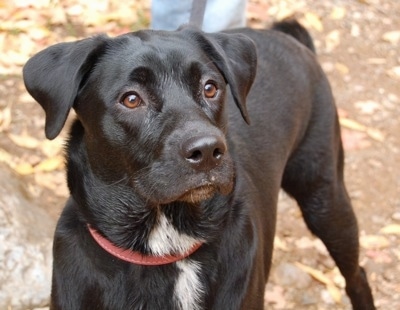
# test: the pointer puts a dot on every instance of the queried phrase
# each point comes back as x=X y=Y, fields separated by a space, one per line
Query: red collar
x=137 y=257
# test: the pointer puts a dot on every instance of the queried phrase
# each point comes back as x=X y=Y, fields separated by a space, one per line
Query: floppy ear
x=236 y=57
x=54 y=76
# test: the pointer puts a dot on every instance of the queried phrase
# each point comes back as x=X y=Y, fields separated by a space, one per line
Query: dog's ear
x=236 y=57
x=54 y=76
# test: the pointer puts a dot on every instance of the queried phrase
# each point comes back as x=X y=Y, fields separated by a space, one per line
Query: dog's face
x=151 y=104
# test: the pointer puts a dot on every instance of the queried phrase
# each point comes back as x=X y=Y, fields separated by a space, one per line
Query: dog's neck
x=132 y=223
x=138 y=258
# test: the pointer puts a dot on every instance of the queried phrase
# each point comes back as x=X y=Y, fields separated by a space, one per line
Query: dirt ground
x=358 y=46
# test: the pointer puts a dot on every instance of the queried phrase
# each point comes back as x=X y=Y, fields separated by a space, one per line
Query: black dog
x=173 y=196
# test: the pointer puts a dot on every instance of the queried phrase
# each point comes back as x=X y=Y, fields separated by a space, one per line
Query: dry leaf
x=338 y=13
x=394 y=72
x=377 y=61
x=5 y=157
x=375 y=134
x=24 y=169
x=392 y=229
x=351 y=124
x=392 y=36
x=343 y=69
x=321 y=277
x=316 y=274
x=355 y=30
x=313 y=20
x=24 y=140
x=280 y=244
x=368 y=107
x=332 y=40
x=370 y=242
x=50 y=164
x=5 y=118
x=39 y=33
x=338 y=278
x=334 y=292
x=51 y=148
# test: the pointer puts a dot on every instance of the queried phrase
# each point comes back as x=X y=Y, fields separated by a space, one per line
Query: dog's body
x=158 y=162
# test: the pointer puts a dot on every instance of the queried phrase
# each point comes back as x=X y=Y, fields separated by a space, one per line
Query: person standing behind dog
x=214 y=15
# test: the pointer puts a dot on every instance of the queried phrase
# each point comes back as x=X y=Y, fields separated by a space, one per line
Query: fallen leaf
x=338 y=13
x=338 y=278
x=392 y=229
x=377 y=61
x=392 y=37
x=24 y=140
x=304 y=243
x=394 y=72
x=334 y=292
x=51 y=148
x=375 y=134
x=368 y=107
x=75 y=10
x=370 y=242
x=5 y=118
x=316 y=274
x=307 y=243
x=280 y=244
x=343 y=69
x=321 y=277
x=5 y=157
x=24 y=169
x=351 y=124
x=39 y=33
x=332 y=40
x=313 y=21
x=50 y=164
x=355 y=30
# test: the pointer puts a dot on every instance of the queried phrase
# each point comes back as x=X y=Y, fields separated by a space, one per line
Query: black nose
x=204 y=152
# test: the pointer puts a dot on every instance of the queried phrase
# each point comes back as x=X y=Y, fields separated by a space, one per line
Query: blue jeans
x=219 y=14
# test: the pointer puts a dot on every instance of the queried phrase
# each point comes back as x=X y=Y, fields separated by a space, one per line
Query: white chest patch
x=188 y=289
x=164 y=239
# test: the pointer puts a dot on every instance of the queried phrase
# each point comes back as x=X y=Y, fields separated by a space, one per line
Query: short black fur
x=184 y=167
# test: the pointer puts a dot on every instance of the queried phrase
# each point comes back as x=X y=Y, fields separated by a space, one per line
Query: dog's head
x=151 y=105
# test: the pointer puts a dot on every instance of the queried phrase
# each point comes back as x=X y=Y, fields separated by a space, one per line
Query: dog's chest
x=188 y=288
x=165 y=238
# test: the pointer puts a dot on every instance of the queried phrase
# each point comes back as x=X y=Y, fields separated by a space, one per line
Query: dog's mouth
x=198 y=194
x=161 y=187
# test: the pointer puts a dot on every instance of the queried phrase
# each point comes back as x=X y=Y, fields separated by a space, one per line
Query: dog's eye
x=131 y=100
x=210 y=90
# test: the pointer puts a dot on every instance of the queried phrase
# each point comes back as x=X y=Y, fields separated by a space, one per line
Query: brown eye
x=131 y=100
x=210 y=90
